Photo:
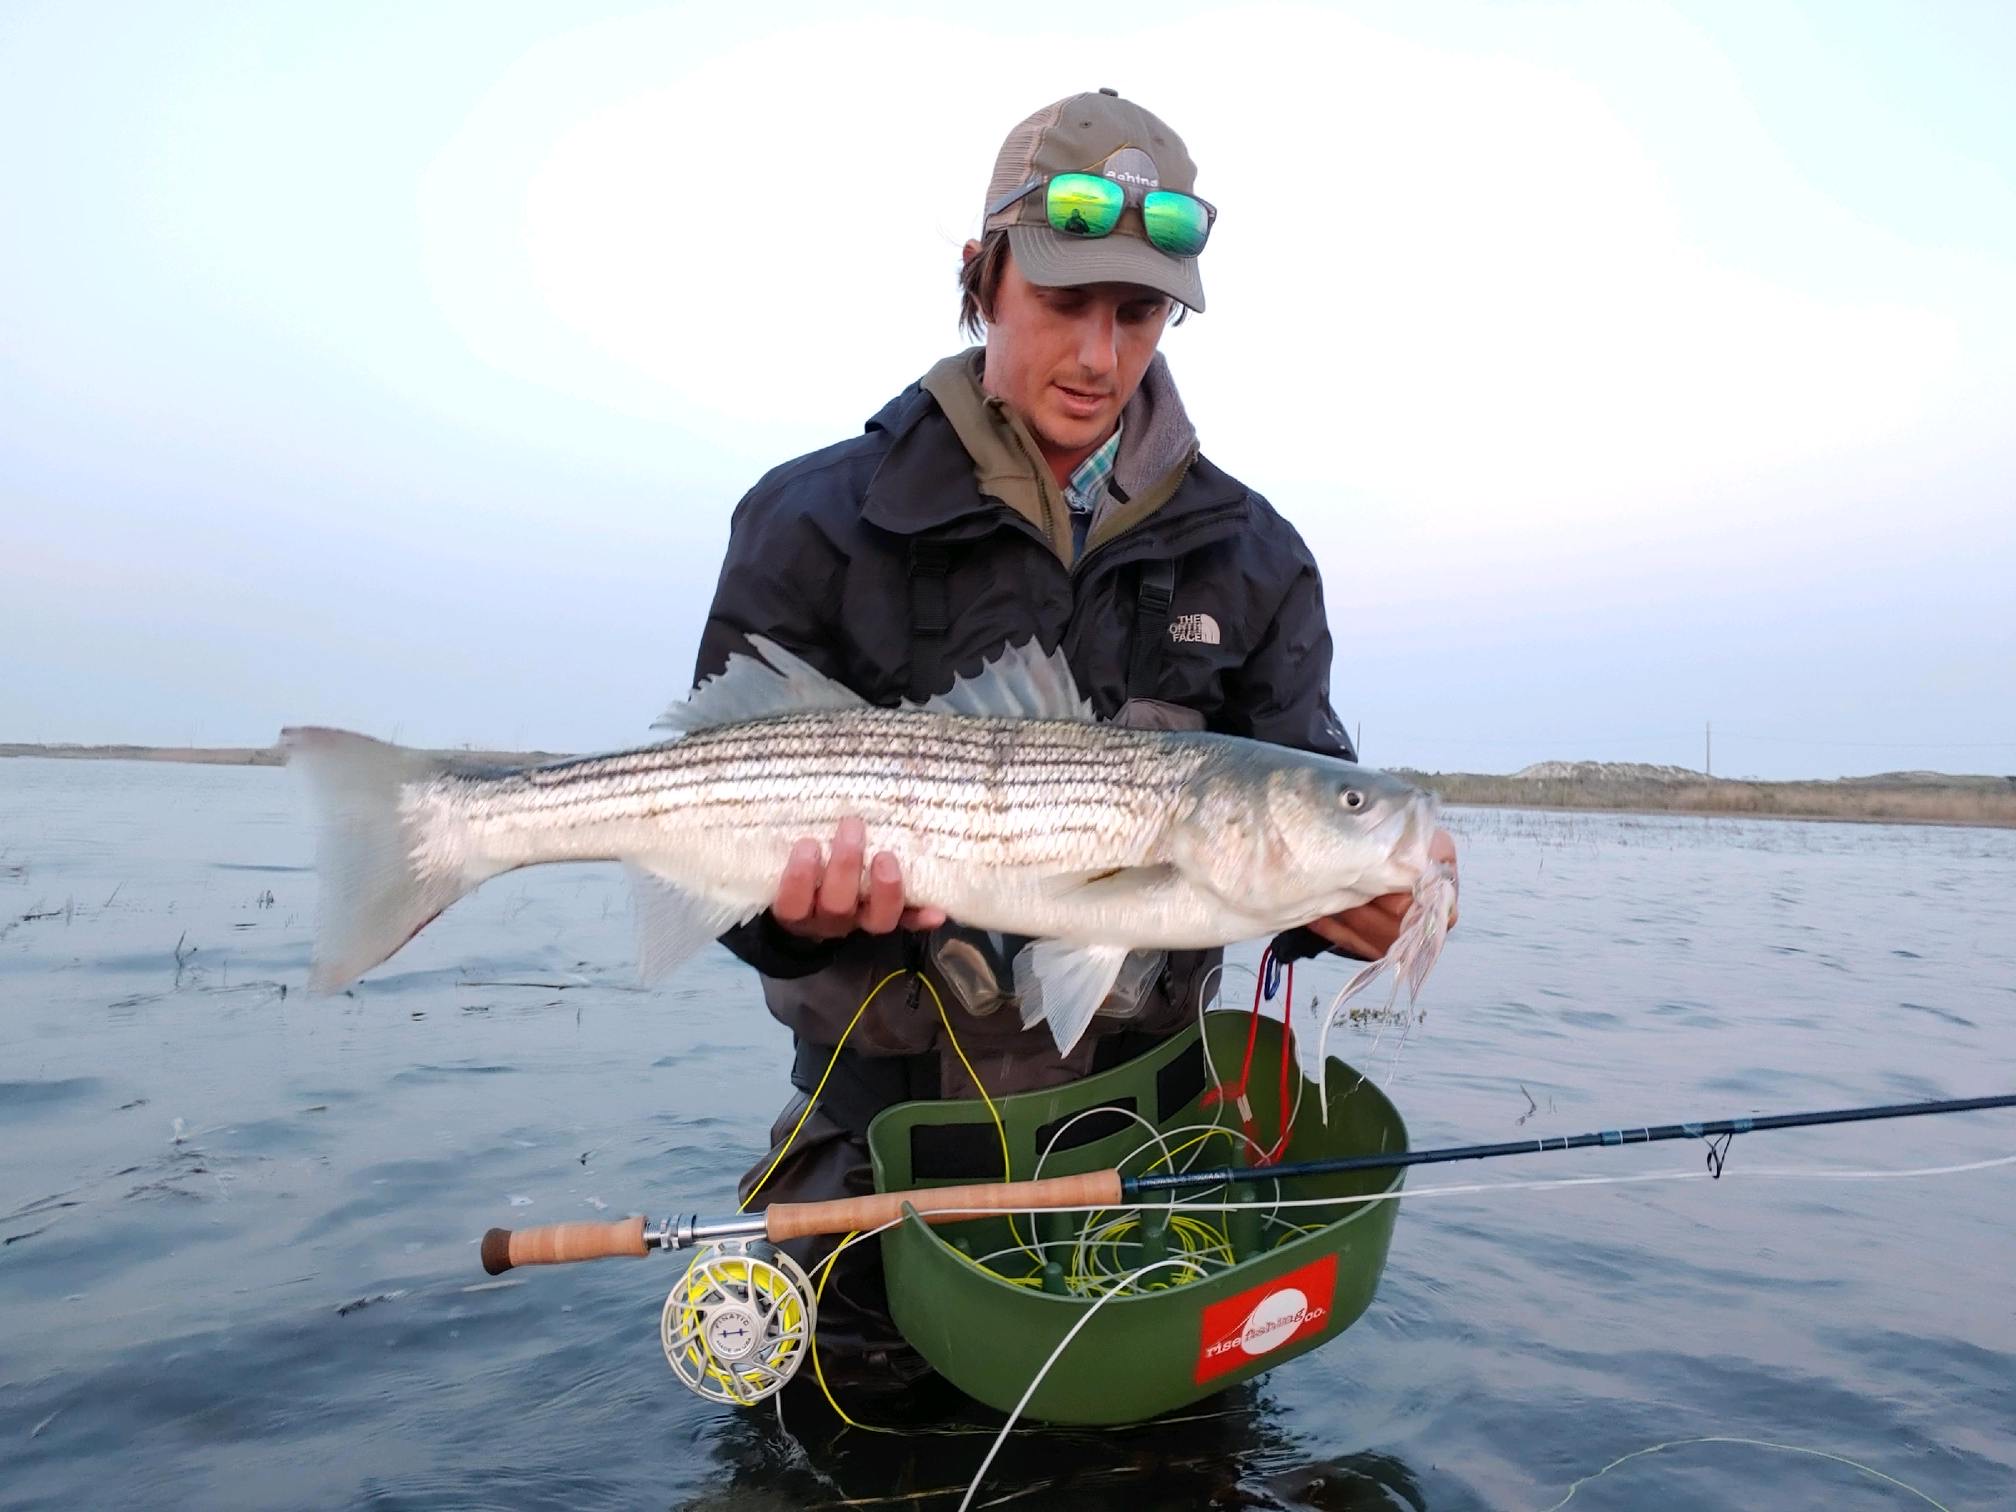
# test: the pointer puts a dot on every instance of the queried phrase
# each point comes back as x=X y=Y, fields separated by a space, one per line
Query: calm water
x=239 y=1266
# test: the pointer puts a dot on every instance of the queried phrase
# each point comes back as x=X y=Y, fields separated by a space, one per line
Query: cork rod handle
x=795 y=1220
x=559 y=1243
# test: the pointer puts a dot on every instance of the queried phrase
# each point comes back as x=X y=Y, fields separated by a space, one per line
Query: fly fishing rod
x=740 y=1322
x=562 y=1243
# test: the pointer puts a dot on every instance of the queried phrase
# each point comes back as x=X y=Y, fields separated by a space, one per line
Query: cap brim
x=1052 y=260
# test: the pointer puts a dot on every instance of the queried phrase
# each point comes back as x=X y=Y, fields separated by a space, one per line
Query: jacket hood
x=1157 y=445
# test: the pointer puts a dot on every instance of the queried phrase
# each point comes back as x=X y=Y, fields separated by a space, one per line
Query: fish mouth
x=1412 y=830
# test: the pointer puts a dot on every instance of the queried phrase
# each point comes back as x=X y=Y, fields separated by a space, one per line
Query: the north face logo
x=1198 y=629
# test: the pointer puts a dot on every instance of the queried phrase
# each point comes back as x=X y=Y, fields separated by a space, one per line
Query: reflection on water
x=237 y=1258
x=1233 y=1451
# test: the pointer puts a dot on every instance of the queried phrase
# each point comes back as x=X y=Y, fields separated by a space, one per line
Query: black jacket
x=881 y=562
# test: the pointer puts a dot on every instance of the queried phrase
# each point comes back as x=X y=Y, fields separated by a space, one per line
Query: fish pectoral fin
x=750 y=689
x=1111 y=884
x=1063 y=984
x=674 y=923
x=1021 y=683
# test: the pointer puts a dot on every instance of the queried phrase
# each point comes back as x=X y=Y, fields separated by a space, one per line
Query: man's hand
x=1369 y=930
x=819 y=896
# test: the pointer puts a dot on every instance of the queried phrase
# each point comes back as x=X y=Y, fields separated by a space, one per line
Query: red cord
x=1287 y=1057
x=1236 y=1093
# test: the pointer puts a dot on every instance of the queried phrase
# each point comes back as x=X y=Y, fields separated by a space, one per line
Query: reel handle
x=560 y=1243
x=846 y=1215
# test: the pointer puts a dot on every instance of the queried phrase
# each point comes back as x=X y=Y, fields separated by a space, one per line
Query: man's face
x=1068 y=360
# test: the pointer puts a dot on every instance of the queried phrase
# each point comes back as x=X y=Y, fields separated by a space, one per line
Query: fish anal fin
x=674 y=922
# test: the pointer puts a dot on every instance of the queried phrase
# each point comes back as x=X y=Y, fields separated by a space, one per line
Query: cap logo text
x=1134 y=170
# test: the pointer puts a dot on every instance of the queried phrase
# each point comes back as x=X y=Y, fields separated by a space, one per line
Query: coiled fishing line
x=1099 y=1256
x=739 y=1322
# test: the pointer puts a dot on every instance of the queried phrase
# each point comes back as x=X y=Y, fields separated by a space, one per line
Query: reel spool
x=739 y=1323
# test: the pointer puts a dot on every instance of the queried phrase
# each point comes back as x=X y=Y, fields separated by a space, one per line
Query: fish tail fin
x=375 y=892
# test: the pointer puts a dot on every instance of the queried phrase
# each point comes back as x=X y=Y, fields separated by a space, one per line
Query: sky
x=1628 y=367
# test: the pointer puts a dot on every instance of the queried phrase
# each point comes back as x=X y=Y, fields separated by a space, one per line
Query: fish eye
x=1351 y=798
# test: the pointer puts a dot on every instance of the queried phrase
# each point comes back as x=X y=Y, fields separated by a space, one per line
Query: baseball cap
x=1094 y=133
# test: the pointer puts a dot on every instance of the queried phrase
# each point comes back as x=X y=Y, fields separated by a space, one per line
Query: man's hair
x=980 y=283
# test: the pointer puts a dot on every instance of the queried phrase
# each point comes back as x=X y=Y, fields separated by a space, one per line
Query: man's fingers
x=1372 y=923
x=840 y=892
x=884 y=907
x=1395 y=904
x=820 y=894
x=799 y=885
x=1347 y=939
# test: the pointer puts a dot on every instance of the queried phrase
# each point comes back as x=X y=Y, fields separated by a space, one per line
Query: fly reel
x=739 y=1323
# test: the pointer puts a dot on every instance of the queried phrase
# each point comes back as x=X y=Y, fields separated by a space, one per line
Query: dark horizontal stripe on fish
x=1059 y=837
x=911 y=730
x=1064 y=810
x=944 y=820
x=814 y=758
x=949 y=751
x=789 y=770
x=904 y=767
x=735 y=779
x=979 y=793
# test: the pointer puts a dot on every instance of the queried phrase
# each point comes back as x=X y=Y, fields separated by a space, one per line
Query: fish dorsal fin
x=1023 y=682
x=749 y=689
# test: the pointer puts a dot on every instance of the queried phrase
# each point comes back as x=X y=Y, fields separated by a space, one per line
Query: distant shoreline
x=1897 y=798
x=1913 y=798
x=260 y=756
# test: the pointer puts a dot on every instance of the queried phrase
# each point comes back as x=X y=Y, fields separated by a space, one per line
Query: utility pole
x=1358 y=740
x=1708 y=750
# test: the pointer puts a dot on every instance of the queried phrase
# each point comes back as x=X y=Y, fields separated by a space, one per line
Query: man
x=1046 y=485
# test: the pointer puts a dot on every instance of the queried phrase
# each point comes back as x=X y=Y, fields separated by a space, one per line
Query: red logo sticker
x=1266 y=1318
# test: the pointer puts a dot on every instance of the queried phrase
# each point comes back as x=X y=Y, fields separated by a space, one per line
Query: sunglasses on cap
x=1089 y=205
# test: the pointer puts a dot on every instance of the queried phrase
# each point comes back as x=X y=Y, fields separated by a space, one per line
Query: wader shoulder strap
x=930 y=616
x=1153 y=596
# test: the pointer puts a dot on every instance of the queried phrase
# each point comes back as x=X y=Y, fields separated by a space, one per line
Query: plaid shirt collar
x=1089 y=478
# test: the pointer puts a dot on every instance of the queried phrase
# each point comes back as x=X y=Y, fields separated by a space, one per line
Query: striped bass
x=1006 y=802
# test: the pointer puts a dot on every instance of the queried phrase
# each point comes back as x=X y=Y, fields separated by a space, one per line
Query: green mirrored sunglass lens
x=1177 y=223
x=1083 y=204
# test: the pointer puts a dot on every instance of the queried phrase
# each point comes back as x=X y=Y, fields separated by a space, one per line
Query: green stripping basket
x=1153 y=1352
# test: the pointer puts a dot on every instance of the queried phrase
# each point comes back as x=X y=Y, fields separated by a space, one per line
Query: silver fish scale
x=1046 y=793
